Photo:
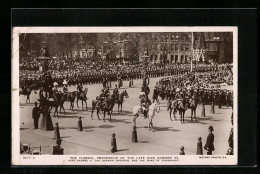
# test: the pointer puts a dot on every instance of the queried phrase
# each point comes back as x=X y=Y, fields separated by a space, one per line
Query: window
x=182 y=47
x=176 y=47
x=213 y=47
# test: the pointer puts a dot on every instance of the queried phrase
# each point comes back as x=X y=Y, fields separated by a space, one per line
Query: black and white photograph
x=124 y=96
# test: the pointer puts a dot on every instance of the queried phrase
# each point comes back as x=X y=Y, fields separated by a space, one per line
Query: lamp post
x=45 y=58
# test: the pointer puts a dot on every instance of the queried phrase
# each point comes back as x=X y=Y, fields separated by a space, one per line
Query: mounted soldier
x=80 y=87
x=145 y=103
x=119 y=79
x=116 y=93
x=65 y=89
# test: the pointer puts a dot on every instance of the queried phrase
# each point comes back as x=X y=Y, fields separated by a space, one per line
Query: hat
x=181 y=148
x=199 y=138
x=211 y=128
x=113 y=135
x=142 y=93
x=55 y=84
x=65 y=82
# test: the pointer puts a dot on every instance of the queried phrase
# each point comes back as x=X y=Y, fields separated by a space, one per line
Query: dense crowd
x=198 y=86
x=83 y=71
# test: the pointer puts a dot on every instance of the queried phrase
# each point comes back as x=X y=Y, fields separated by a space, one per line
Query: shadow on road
x=105 y=126
x=122 y=150
x=120 y=121
x=24 y=128
x=166 y=129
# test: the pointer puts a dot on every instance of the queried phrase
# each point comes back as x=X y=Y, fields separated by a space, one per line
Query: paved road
x=96 y=135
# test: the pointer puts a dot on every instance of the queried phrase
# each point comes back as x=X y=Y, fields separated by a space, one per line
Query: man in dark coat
x=209 y=146
x=155 y=94
x=36 y=115
x=113 y=143
x=230 y=139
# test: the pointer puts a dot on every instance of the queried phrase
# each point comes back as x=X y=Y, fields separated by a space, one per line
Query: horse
x=96 y=104
x=26 y=92
x=83 y=97
x=182 y=106
x=172 y=107
x=154 y=107
x=71 y=98
x=120 y=99
x=59 y=100
x=192 y=104
x=107 y=106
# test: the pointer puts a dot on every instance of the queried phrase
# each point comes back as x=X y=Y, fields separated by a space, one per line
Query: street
x=95 y=139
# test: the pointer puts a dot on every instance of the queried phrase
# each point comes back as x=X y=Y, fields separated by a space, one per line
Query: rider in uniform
x=80 y=87
x=65 y=89
x=116 y=92
x=145 y=103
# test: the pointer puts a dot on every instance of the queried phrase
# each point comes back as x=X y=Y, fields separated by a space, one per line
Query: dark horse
x=180 y=105
x=120 y=99
x=107 y=106
x=59 y=100
x=70 y=97
x=192 y=104
x=26 y=92
x=83 y=97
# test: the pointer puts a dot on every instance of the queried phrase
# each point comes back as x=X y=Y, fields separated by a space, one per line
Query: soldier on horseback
x=116 y=93
x=54 y=89
x=80 y=87
x=145 y=103
x=119 y=78
x=65 y=89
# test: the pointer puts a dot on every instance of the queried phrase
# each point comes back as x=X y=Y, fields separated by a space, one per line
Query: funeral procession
x=126 y=93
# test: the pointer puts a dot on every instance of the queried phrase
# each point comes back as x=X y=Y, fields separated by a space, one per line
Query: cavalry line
x=96 y=135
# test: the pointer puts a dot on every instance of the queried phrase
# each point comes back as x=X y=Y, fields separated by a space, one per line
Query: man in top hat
x=36 y=115
x=209 y=146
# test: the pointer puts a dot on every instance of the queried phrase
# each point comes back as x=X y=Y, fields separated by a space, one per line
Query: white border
x=17 y=159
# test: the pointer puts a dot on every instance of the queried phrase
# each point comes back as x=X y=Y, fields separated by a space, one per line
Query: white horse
x=154 y=107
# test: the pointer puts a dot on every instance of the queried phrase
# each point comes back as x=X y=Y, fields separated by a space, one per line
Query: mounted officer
x=119 y=79
x=65 y=89
x=145 y=103
x=116 y=93
x=80 y=87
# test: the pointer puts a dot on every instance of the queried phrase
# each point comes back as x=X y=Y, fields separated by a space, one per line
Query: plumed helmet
x=55 y=84
x=65 y=82
x=178 y=90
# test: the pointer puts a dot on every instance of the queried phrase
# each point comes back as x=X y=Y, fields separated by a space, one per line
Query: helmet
x=178 y=90
x=55 y=84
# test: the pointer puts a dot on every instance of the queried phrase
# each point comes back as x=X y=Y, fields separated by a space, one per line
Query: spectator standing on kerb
x=36 y=115
x=209 y=146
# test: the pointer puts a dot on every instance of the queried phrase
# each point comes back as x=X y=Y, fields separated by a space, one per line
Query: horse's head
x=125 y=94
x=155 y=107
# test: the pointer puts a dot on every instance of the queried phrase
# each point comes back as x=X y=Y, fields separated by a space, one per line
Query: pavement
x=95 y=139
